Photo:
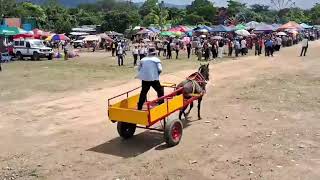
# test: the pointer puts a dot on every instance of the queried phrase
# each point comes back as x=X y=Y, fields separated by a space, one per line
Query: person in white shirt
x=243 y=47
x=278 y=43
x=142 y=51
x=135 y=53
x=120 y=54
x=150 y=69
x=305 y=45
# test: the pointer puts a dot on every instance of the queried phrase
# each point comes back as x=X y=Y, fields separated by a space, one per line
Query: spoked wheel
x=126 y=130
x=173 y=132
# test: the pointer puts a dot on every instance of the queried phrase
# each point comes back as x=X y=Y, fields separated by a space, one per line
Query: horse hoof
x=199 y=118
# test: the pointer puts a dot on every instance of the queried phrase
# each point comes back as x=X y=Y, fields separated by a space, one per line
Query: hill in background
x=75 y=3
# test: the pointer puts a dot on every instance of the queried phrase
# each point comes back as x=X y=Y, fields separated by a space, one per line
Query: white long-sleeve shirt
x=304 y=42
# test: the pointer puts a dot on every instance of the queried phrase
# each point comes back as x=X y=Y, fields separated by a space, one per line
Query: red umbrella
x=18 y=36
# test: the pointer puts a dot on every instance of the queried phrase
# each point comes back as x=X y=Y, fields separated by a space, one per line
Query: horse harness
x=196 y=78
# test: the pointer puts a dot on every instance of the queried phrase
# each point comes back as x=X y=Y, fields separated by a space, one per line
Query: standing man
x=189 y=49
x=243 y=47
x=305 y=45
x=120 y=54
x=135 y=53
x=150 y=69
x=113 y=48
x=169 y=53
x=0 y=62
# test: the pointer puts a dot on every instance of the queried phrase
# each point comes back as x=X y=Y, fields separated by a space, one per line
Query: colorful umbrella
x=240 y=27
x=59 y=37
x=242 y=32
x=252 y=24
x=306 y=26
x=166 y=33
x=281 y=34
x=291 y=25
x=217 y=37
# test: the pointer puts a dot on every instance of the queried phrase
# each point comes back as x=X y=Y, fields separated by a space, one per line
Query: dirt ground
x=260 y=121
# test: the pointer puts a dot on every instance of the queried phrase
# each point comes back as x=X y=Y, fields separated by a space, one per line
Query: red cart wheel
x=173 y=132
x=126 y=130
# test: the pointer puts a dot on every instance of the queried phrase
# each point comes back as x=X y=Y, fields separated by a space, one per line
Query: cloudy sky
x=299 y=3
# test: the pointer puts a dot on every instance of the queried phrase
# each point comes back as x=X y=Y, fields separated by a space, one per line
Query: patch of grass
x=21 y=79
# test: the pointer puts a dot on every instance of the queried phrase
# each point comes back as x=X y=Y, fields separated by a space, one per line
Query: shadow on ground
x=133 y=147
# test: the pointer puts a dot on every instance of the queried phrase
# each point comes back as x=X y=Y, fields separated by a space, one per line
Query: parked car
x=78 y=44
x=33 y=48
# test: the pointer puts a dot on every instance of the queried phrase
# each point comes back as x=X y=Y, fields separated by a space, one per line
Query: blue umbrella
x=154 y=30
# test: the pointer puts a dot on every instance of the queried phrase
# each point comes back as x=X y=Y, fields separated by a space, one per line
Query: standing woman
x=177 y=48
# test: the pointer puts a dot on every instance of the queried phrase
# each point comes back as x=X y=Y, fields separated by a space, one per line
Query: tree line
x=120 y=15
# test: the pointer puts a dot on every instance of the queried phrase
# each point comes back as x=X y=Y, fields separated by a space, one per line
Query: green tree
x=120 y=21
x=235 y=7
x=147 y=7
x=315 y=14
x=158 y=16
x=194 y=19
x=29 y=10
x=204 y=9
x=176 y=16
x=8 y=8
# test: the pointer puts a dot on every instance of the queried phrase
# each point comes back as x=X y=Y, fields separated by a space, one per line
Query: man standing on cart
x=150 y=69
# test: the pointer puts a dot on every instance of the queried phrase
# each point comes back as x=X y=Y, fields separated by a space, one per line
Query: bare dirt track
x=260 y=121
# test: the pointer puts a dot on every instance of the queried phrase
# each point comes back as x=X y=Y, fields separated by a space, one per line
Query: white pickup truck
x=33 y=48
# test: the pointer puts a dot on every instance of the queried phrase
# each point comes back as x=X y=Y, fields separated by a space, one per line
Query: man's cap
x=152 y=51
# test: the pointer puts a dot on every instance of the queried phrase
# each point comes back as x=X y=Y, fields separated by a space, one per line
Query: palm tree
x=159 y=16
x=283 y=4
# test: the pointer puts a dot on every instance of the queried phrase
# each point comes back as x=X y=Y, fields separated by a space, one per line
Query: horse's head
x=204 y=71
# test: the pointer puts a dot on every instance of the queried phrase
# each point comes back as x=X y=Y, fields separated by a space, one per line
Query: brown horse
x=195 y=85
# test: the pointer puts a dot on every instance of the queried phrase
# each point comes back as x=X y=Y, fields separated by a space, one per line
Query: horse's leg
x=182 y=112
x=191 y=106
x=199 y=108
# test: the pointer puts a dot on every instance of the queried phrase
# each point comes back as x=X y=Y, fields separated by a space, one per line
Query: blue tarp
x=220 y=28
x=202 y=29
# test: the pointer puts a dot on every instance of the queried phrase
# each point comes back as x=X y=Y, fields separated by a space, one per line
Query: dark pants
x=159 y=52
x=135 y=59
x=257 y=51
x=244 y=51
x=237 y=52
x=230 y=51
x=0 y=66
x=177 y=54
x=304 y=51
x=189 y=52
x=113 y=51
x=120 y=60
x=142 y=56
x=144 y=91
x=169 y=54
x=270 y=51
x=214 y=53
